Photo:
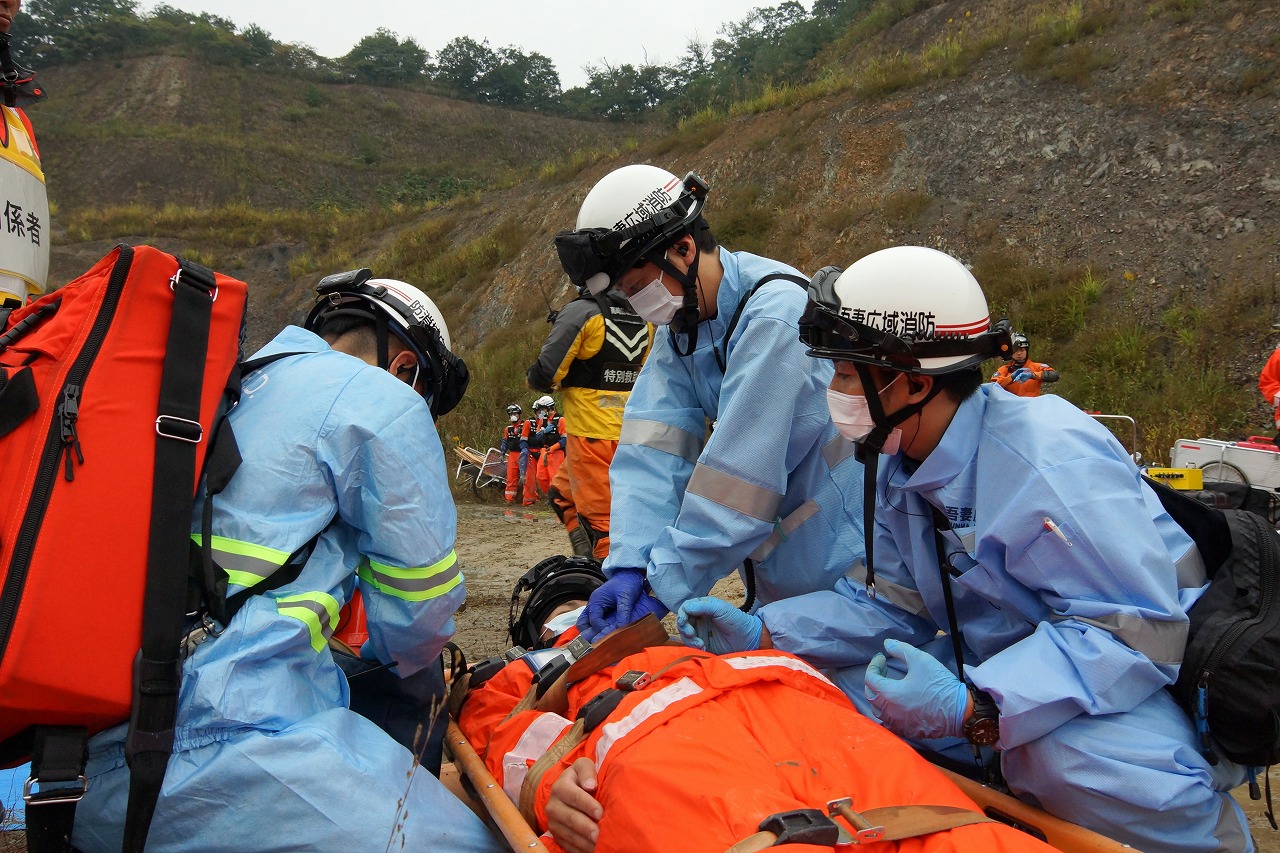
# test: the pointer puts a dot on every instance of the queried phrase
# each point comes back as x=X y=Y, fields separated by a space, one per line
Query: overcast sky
x=572 y=33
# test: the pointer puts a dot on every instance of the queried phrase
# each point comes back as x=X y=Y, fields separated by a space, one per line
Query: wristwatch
x=983 y=727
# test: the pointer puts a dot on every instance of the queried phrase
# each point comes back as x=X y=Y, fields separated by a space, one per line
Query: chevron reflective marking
x=631 y=346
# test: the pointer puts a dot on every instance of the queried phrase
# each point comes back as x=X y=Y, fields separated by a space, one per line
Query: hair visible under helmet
x=632 y=215
x=401 y=310
x=908 y=309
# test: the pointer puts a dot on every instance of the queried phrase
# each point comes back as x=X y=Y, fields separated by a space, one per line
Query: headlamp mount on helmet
x=830 y=334
x=595 y=257
x=352 y=293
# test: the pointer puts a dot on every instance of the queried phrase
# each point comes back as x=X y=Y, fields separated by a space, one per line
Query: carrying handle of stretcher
x=1058 y=833
x=504 y=812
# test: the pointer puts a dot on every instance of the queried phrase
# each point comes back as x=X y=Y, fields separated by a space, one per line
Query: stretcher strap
x=901 y=822
x=569 y=741
x=893 y=823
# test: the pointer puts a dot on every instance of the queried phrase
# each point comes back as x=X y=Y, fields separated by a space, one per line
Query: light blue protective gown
x=267 y=755
x=774 y=482
x=1071 y=597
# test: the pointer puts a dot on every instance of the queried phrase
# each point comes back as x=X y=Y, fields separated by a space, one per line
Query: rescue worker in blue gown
x=1070 y=584
x=773 y=484
x=338 y=442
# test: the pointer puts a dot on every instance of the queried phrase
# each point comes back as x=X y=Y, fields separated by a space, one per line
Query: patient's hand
x=573 y=814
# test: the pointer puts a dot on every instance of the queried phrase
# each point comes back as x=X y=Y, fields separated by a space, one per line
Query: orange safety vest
x=712 y=746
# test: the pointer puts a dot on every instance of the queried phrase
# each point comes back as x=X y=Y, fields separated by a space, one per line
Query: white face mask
x=654 y=303
x=515 y=418
x=852 y=417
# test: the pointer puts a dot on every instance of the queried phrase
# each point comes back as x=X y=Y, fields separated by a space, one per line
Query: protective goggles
x=827 y=334
x=595 y=257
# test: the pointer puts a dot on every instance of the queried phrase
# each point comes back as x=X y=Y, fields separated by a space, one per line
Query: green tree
x=382 y=59
x=52 y=31
x=518 y=80
x=462 y=64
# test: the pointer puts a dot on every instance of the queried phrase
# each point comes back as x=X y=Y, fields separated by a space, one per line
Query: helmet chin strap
x=686 y=321
x=869 y=454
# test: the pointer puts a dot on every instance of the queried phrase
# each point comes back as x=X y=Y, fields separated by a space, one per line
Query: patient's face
x=572 y=604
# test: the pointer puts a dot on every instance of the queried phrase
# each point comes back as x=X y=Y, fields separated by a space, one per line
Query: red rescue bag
x=111 y=388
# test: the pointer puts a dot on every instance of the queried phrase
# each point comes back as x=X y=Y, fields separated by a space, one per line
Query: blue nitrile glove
x=717 y=626
x=1022 y=374
x=524 y=458
x=927 y=702
x=621 y=600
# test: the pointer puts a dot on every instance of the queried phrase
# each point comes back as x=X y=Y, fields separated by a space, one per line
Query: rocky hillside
x=1132 y=146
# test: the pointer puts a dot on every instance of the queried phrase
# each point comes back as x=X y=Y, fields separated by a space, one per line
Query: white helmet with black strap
x=907 y=309
x=632 y=215
x=402 y=310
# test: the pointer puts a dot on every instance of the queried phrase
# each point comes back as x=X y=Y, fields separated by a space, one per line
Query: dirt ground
x=496 y=546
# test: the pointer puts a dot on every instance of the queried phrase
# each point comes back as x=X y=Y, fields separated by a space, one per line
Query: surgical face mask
x=852 y=417
x=655 y=304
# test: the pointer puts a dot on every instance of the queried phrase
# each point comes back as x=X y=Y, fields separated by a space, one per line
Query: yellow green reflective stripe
x=244 y=562
x=317 y=610
x=418 y=584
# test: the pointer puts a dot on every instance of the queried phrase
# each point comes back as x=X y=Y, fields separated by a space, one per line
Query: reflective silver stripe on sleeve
x=729 y=491
x=660 y=436
x=1191 y=571
x=1162 y=641
x=837 y=450
x=899 y=596
x=785 y=528
x=412 y=580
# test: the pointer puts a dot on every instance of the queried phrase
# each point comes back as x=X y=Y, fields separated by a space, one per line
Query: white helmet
x=406 y=312
x=544 y=402
x=628 y=214
x=907 y=308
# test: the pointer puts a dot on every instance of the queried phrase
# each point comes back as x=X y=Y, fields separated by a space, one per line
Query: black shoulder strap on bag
x=722 y=352
x=157 y=667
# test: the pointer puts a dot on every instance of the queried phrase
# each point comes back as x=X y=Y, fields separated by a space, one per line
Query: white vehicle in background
x=1253 y=463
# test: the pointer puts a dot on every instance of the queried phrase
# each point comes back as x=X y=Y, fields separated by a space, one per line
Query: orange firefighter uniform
x=712 y=745
x=1029 y=387
x=1269 y=384
x=527 y=459
x=552 y=440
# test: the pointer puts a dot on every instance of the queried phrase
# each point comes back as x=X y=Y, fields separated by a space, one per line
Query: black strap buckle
x=632 y=680
x=599 y=708
x=802 y=826
x=179 y=429
x=72 y=793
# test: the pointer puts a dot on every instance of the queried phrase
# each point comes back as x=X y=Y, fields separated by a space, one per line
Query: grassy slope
x=981 y=130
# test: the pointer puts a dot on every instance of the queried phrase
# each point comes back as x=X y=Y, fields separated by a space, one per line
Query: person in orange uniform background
x=1269 y=385
x=593 y=355
x=24 y=238
x=529 y=454
x=1022 y=377
x=551 y=441
x=510 y=447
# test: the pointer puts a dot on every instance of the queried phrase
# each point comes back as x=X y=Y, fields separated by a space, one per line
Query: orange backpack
x=111 y=389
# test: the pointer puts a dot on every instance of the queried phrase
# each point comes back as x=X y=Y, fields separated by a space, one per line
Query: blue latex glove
x=1022 y=374
x=717 y=626
x=620 y=601
x=927 y=702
